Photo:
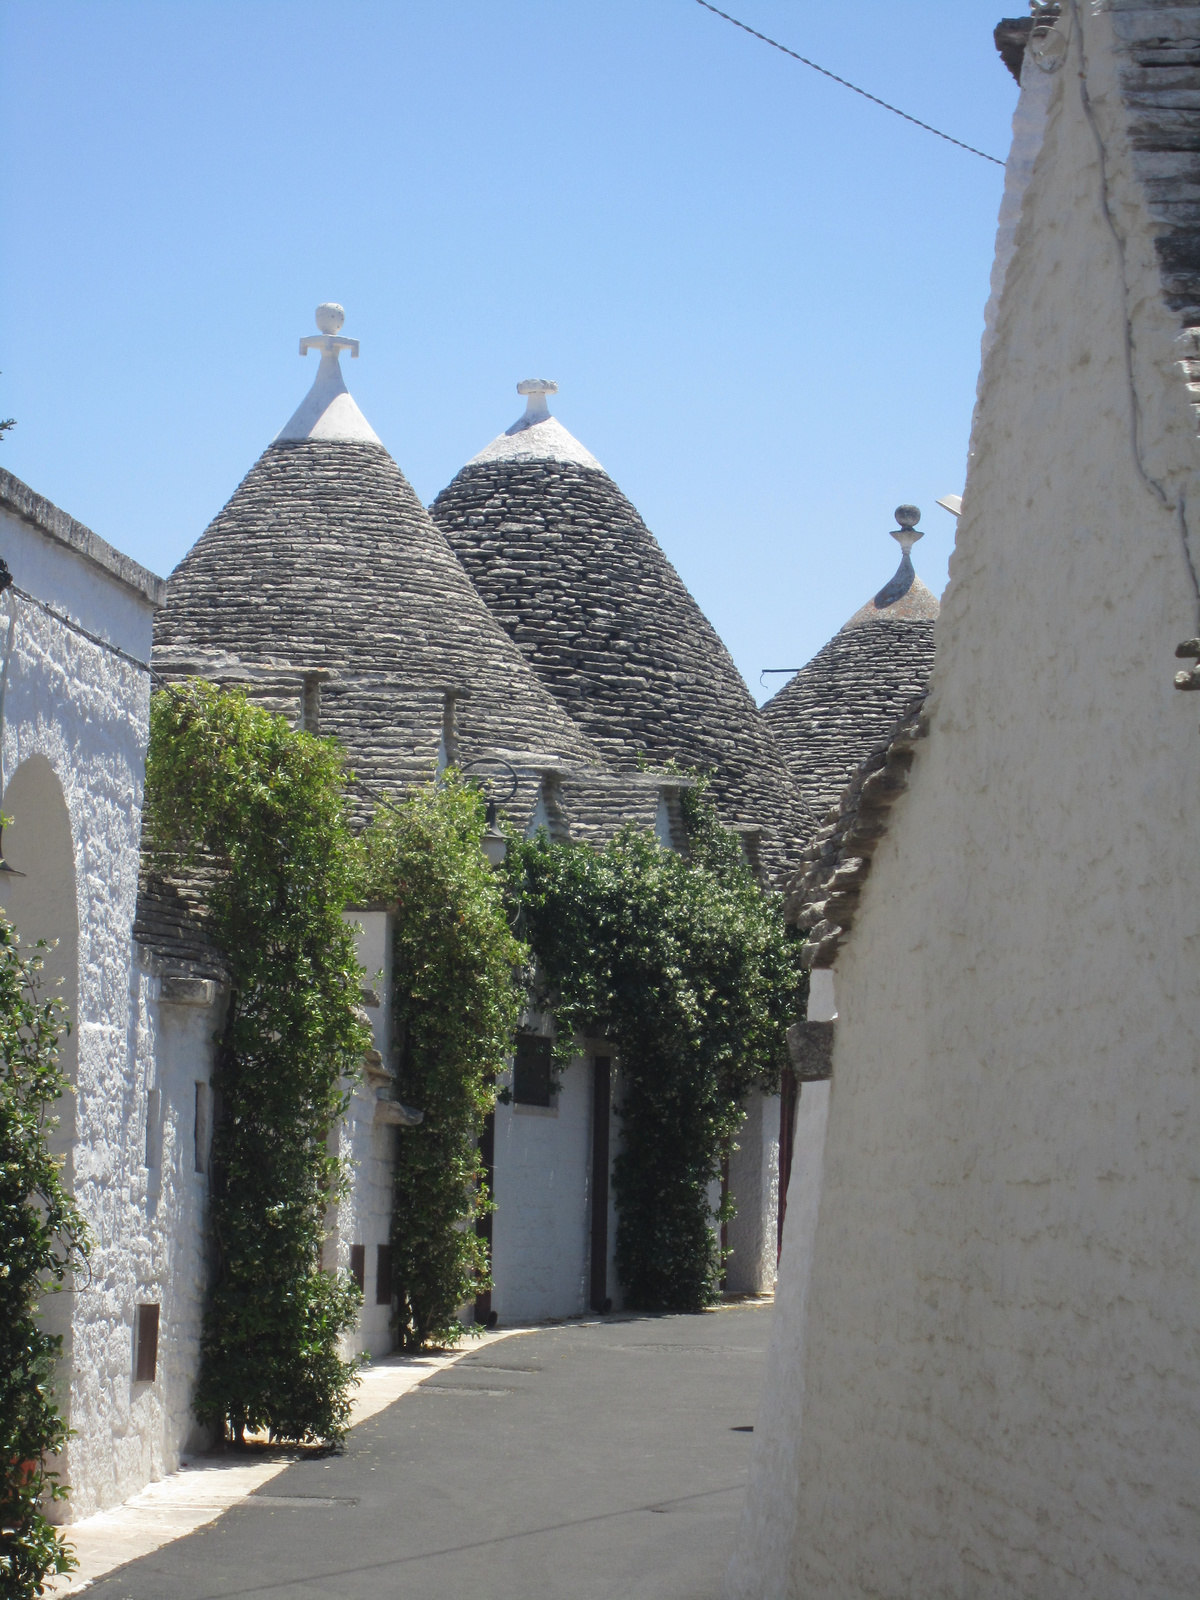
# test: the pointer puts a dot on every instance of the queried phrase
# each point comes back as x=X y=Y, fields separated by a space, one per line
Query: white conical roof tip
x=535 y=391
x=328 y=411
x=536 y=435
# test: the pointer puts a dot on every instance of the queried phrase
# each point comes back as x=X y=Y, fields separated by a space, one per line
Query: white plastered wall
x=540 y=1228
x=754 y=1189
x=992 y=1378
x=83 y=710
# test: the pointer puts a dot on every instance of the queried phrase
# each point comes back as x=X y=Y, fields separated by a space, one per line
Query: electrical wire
x=92 y=638
x=825 y=73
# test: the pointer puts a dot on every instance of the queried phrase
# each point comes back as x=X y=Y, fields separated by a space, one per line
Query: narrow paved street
x=600 y=1461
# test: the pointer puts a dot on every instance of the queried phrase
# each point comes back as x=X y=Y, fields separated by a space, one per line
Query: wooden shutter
x=145 y=1358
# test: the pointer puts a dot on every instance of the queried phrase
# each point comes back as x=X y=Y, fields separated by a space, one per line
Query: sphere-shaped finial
x=330 y=317
x=537 y=386
x=908 y=516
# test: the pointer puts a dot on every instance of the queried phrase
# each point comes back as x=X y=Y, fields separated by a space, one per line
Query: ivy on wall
x=456 y=999
x=42 y=1236
x=687 y=967
x=264 y=808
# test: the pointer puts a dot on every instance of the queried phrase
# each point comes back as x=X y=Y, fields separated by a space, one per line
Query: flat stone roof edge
x=47 y=517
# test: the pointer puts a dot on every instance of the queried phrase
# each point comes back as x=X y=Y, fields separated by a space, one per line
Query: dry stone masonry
x=579 y=583
x=841 y=709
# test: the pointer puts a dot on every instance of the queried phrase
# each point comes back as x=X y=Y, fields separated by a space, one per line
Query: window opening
x=533 y=1083
x=145 y=1345
x=310 y=710
x=358 y=1264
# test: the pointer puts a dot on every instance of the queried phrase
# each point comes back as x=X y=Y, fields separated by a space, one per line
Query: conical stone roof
x=325 y=566
x=844 y=705
x=578 y=581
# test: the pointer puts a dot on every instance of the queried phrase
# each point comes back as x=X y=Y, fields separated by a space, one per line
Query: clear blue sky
x=761 y=296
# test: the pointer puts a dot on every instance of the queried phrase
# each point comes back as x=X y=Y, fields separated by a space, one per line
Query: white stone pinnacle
x=536 y=435
x=328 y=411
x=536 y=390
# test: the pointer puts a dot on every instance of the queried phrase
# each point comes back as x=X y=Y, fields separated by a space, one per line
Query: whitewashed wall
x=75 y=727
x=540 y=1228
x=754 y=1188
x=995 y=1390
x=365 y=1216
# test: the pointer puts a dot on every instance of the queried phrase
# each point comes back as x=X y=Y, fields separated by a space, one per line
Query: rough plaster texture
x=994 y=1390
x=75 y=729
x=754 y=1188
x=763 y=1556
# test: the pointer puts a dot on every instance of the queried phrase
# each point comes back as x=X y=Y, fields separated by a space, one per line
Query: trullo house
x=833 y=719
x=570 y=570
x=325 y=589
x=984 y=1377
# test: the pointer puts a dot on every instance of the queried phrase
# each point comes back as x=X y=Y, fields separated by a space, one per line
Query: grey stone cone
x=843 y=706
x=579 y=583
x=325 y=559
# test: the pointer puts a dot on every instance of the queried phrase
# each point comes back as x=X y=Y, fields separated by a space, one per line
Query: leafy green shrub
x=456 y=998
x=686 y=965
x=266 y=806
x=41 y=1236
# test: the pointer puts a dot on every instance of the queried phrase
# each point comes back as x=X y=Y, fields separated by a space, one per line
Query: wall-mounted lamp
x=483 y=773
x=493 y=843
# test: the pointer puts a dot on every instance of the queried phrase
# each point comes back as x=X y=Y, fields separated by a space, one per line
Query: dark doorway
x=601 y=1111
x=483 y=1225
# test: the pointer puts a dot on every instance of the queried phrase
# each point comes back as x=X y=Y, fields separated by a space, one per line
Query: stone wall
x=76 y=713
x=994 y=1389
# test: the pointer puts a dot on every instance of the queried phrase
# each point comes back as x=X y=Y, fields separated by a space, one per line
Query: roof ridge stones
x=568 y=567
x=823 y=896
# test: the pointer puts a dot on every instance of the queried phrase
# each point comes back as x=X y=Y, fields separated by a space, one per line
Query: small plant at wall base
x=42 y=1236
x=265 y=808
x=687 y=967
x=456 y=968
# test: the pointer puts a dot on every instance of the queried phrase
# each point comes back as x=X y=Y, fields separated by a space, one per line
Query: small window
x=203 y=1130
x=532 y=1081
x=310 y=709
x=153 y=1128
x=358 y=1264
x=145 y=1345
x=383 y=1274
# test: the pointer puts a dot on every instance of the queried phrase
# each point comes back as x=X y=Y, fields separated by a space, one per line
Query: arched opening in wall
x=42 y=905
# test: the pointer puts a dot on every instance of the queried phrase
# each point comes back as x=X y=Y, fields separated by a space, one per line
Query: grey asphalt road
x=591 y=1461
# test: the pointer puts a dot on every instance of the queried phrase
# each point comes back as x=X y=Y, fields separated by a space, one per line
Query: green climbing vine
x=264 y=808
x=42 y=1236
x=456 y=997
x=687 y=966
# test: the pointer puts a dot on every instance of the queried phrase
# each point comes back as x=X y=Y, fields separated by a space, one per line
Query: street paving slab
x=600 y=1460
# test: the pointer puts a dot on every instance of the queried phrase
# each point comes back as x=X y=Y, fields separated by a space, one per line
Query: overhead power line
x=825 y=73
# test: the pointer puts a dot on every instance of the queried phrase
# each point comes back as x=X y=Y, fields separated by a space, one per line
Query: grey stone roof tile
x=325 y=560
x=569 y=568
x=842 y=707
